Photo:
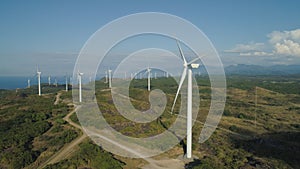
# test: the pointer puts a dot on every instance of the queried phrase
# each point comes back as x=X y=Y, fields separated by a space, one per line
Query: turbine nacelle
x=195 y=65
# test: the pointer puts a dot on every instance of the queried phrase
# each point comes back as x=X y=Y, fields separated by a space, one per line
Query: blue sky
x=51 y=33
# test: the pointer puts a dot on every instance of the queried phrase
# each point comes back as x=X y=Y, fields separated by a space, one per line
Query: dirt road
x=68 y=148
x=57 y=98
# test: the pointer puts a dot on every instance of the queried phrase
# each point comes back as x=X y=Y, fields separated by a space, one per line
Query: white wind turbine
x=149 y=78
x=135 y=76
x=49 y=80
x=28 y=83
x=55 y=82
x=79 y=86
x=109 y=78
x=67 y=83
x=106 y=77
x=39 y=80
x=188 y=66
x=131 y=76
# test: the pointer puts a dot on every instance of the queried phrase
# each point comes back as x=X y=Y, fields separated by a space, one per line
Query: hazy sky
x=51 y=33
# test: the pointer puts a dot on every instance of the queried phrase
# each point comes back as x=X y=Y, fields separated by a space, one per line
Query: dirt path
x=67 y=118
x=68 y=148
x=57 y=98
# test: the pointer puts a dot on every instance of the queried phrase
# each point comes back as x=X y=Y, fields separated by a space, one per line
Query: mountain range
x=242 y=69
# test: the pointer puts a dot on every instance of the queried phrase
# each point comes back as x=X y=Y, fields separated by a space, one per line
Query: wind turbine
x=79 y=83
x=67 y=83
x=188 y=66
x=28 y=83
x=49 y=80
x=106 y=77
x=39 y=80
x=131 y=76
x=135 y=76
x=55 y=82
x=149 y=78
x=109 y=78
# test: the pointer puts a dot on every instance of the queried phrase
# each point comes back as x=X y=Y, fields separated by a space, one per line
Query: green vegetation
x=281 y=84
x=89 y=156
x=29 y=126
x=255 y=131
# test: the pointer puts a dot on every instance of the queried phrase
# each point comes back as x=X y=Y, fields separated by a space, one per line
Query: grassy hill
x=260 y=127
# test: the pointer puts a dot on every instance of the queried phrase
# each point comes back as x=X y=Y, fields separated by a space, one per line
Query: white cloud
x=257 y=53
x=286 y=42
x=246 y=54
x=241 y=48
x=280 y=36
x=281 y=43
x=288 y=47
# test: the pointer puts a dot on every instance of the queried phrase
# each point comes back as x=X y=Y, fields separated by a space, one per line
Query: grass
x=262 y=134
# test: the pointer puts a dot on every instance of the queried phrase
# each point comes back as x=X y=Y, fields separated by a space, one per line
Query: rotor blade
x=179 y=87
x=146 y=72
x=194 y=60
x=181 y=53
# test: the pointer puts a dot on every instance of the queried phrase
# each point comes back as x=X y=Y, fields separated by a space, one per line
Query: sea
x=14 y=82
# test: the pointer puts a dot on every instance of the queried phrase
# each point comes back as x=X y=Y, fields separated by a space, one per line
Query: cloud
x=286 y=42
x=257 y=53
x=245 y=48
x=280 y=43
x=279 y=36
x=288 y=47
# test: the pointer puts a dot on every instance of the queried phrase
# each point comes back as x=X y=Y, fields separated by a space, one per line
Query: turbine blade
x=194 y=60
x=181 y=53
x=179 y=87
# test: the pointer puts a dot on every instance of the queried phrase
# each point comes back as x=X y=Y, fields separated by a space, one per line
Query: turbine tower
x=188 y=66
x=49 y=80
x=131 y=76
x=109 y=78
x=149 y=78
x=39 y=80
x=67 y=83
x=106 y=77
x=55 y=82
x=28 y=83
x=79 y=86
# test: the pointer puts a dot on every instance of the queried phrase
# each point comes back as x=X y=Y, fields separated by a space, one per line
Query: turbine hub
x=194 y=65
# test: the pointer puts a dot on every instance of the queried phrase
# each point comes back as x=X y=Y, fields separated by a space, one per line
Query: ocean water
x=21 y=82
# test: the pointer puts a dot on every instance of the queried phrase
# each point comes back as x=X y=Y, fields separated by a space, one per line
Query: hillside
x=259 y=128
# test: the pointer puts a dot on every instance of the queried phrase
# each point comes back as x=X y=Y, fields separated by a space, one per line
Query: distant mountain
x=242 y=69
